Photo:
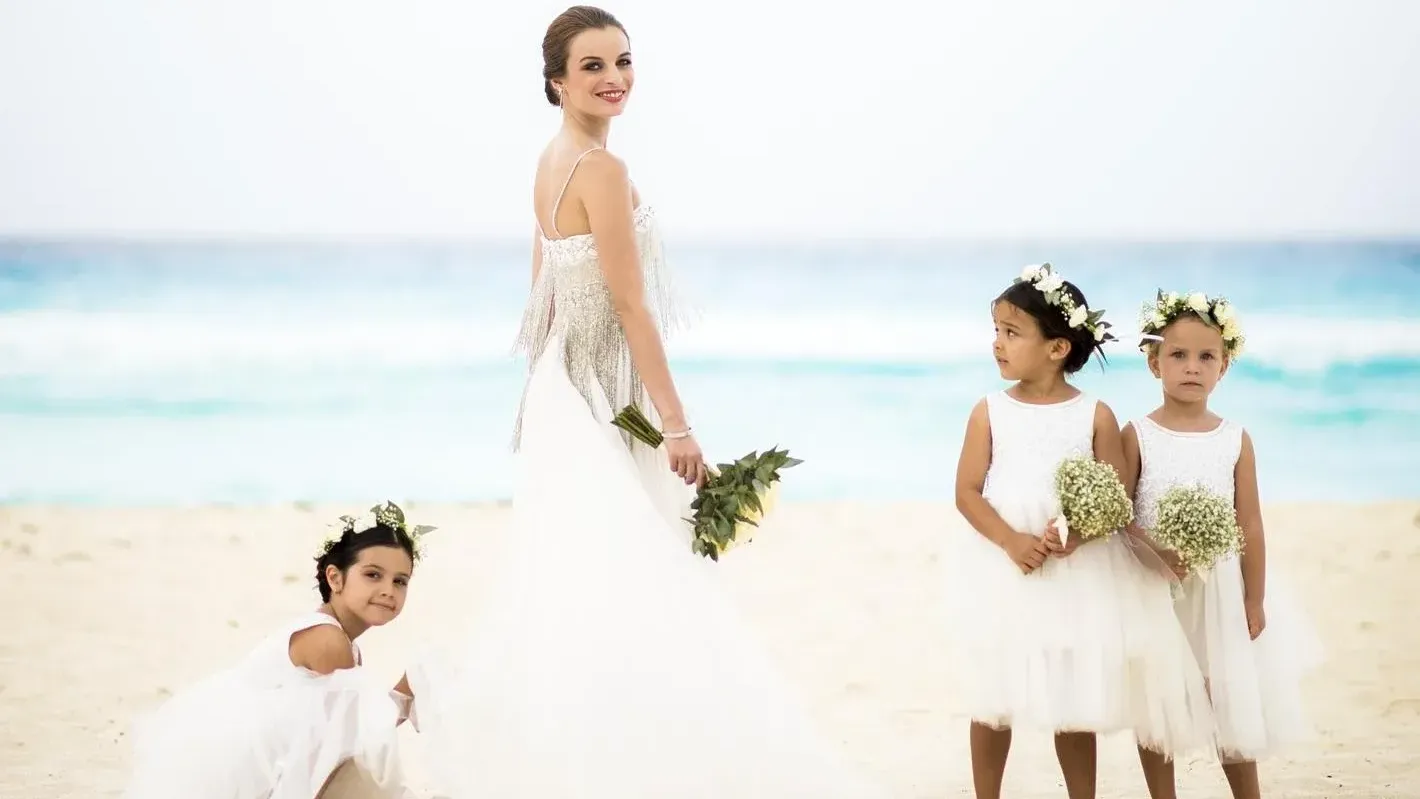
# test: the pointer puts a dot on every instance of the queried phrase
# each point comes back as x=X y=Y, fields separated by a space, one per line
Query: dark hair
x=558 y=40
x=1053 y=324
x=345 y=550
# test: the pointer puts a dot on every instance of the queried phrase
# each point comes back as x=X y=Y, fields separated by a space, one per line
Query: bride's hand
x=686 y=459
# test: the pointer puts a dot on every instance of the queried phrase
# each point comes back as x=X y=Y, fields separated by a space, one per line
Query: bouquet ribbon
x=1146 y=551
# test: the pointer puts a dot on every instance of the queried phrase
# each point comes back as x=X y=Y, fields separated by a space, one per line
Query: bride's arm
x=606 y=195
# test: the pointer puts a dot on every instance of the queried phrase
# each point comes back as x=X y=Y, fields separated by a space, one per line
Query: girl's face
x=599 y=73
x=373 y=589
x=1022 y=351
x=1190 y=360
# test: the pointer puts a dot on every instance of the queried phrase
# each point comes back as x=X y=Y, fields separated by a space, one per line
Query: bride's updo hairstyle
x=558 y=40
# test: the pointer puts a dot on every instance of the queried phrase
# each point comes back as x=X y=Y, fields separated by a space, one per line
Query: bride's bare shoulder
x=604 y=167
x=558 y=162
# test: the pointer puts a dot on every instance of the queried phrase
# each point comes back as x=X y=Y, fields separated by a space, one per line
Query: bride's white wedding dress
x=608 y=662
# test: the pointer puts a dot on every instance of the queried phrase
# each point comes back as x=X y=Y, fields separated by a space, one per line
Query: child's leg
x=989 y=748
x=1076 y=753
x=1158 y=774
x=351 y=781
x=1242 y=778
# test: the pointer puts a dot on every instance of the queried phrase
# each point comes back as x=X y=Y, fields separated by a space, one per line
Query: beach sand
x=111 y=610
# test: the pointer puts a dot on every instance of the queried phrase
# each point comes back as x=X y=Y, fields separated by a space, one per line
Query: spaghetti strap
x=556 y=204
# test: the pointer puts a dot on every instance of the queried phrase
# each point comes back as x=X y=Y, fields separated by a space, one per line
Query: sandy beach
x=112 y=609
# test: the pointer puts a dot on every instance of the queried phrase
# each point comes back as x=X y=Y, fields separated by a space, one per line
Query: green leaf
x=751 y=504
x=724 y=529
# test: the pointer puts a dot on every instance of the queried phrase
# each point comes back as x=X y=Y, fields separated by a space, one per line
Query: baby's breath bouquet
x=735 y=498
x=1198 y=524
x=1093 y=502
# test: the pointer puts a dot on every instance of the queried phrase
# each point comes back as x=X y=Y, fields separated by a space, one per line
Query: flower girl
x=281 y=721
x=1251 y=643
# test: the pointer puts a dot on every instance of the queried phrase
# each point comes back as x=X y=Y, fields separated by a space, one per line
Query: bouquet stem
x=733 y=499
x=633 y=421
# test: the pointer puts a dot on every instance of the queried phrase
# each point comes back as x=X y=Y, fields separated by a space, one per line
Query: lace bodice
x=570 y=303
x=1168 y=458
x=1029 y=441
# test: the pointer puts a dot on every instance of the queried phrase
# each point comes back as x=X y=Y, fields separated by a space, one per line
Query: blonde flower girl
x=1251 y=642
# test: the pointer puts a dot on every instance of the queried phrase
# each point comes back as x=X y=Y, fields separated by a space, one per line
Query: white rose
x=1157 y=320
x=1051 y=283
x=1171 y=298
x=1198 y=302
x=1079 y=315
x=1099 y=333
x=1031 y=273
x=1231 y=330
x=1224 y=313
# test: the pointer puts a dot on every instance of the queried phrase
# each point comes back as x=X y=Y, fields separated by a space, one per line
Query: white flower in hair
x=388 y=514
x=1166 y=308
x=1052 y=287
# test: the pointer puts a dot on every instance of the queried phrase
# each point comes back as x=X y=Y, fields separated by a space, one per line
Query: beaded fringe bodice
x=570 y=302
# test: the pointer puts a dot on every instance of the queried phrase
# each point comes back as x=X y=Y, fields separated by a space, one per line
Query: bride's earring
x=562 y=96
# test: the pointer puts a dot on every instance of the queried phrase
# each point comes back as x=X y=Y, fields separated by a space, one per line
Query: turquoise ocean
x=191 y=373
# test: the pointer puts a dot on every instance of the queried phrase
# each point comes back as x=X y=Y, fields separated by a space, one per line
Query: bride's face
x=599 y=72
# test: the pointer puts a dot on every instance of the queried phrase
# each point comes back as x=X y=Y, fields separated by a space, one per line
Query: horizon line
x=197 y=238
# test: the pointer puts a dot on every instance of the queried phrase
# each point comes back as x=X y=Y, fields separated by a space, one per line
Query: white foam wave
x=49 y=342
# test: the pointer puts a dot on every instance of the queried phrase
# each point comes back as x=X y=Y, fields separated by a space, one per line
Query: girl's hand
x=1256 y=618
x=1170 y=557
x=1175 y=563
x=1026 y=551
x=686 y=460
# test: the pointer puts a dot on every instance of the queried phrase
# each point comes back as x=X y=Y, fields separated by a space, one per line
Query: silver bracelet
x=678 y=435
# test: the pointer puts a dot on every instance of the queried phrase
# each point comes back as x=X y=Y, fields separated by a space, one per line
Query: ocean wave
x=111 y=344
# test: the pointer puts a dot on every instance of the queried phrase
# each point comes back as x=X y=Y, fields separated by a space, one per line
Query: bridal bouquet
x=1198 y=524
x=1093 y=501
x=735 y=497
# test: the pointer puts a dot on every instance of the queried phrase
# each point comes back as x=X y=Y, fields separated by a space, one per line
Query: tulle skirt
x=1086 y=643
x=1255 y=685
x=227 y=738
x=608 y=662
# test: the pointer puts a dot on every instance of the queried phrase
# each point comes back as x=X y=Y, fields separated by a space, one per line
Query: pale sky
x=751 y=118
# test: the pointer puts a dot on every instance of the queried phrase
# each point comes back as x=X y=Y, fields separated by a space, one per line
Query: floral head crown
x=1049 y=282
x=389 y=514
x=1214 y=311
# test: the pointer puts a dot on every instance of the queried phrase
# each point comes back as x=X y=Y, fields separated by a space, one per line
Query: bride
x=608 y=662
